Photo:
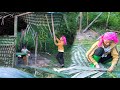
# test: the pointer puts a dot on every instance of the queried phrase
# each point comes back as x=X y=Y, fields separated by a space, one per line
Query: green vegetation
x=69 y=29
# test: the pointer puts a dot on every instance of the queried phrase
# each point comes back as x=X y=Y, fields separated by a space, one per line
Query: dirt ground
x=90 y=34
x=41 y=61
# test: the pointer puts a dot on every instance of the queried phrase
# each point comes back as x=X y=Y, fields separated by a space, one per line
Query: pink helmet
x=108 y=36
x=64 y=39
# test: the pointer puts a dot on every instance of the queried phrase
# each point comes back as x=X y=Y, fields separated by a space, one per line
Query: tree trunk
x=36 y=47
x=107 y=20
x=87 y=18
x=66 y=22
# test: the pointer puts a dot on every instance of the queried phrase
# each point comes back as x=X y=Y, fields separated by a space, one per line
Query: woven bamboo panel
x=41 y=18
x=7 y=51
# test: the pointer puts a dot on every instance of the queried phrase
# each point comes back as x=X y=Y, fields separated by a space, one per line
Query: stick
x=24 y=13
x=92 y=22
x=48 y=25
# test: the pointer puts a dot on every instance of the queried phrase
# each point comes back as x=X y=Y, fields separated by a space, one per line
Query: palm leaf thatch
x=80 y=66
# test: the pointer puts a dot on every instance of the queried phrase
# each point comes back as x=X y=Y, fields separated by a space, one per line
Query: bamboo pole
x=92 y=22
x=15 y=26
x=15 y=35
x=48 y=25
x=53 y=26
x=80 y=26
x=24 y=13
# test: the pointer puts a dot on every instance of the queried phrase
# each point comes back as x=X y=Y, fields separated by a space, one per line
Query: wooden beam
x=24 y=13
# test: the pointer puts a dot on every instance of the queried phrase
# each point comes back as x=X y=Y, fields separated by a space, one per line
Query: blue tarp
x=7 y=72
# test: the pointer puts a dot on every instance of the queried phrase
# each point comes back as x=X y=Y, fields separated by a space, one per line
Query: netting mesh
x=7 y=51
x=43 y=19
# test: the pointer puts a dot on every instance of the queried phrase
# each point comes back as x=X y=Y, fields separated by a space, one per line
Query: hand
x=28 y=54
x=55 y=38
x=97 y=66
x=110 y=69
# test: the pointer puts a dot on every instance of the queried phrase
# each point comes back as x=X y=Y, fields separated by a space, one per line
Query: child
x=60 y=43
x=26 y=51
x=104 y=51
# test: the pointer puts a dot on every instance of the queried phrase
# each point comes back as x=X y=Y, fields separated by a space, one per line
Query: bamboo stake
x=53 y=26
x=48 y=25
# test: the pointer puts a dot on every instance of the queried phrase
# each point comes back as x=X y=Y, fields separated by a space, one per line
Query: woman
x=104 y=51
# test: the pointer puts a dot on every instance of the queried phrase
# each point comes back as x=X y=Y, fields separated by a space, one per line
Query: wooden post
x=92 y=22
x=15 y=26
x=15 y=35
x=36 y=47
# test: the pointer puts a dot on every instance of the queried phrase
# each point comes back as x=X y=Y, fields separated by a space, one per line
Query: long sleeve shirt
x=114 y=53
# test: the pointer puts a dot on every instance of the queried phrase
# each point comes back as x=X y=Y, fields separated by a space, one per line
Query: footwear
x=92 y=65
x=62 y=65
x=57 y=65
